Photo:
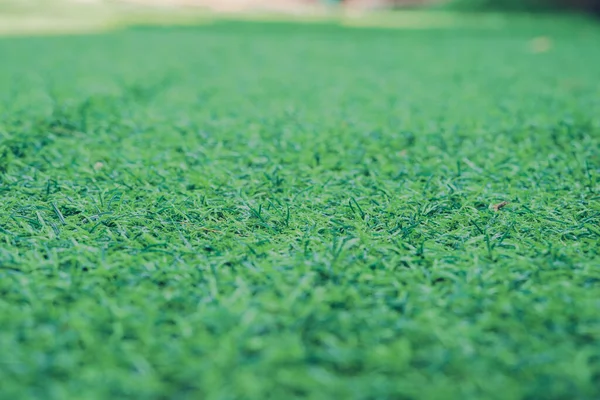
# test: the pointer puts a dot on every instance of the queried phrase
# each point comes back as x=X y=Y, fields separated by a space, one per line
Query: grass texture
x=255 y=211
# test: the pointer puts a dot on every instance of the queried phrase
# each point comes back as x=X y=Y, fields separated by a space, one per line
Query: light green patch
x=58 y=18
x=422 y=20
x=44 y=25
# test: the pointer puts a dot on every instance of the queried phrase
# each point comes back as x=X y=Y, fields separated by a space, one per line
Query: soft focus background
x=22 y=16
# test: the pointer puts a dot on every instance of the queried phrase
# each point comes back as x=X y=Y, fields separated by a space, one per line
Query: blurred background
x=19 y=17
x=585 y=5
x=237 y=5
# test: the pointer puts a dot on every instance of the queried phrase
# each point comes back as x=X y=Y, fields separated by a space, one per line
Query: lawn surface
x=259 y=211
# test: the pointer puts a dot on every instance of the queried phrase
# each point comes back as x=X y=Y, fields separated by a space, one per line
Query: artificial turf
x=251 y=211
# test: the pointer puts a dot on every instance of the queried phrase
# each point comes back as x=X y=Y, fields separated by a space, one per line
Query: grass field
x=254 y=211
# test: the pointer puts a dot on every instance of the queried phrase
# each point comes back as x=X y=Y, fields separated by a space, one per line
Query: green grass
x=253 y=211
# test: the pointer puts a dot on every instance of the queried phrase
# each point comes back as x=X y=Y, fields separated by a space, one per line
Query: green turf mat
x=255 y=211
